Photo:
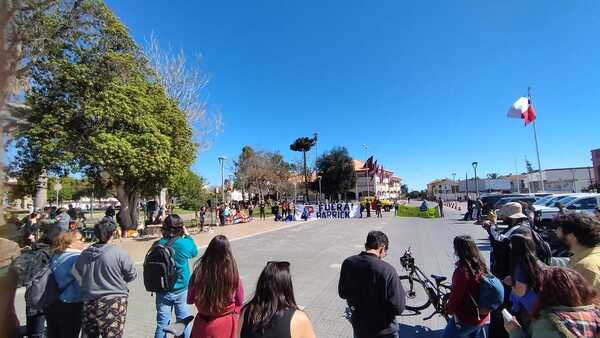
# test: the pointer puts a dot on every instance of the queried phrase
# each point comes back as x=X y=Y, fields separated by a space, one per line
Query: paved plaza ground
x=316 y=250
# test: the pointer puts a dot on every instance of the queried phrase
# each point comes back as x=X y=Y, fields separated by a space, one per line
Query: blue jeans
x=463 y=330
x=165 y=302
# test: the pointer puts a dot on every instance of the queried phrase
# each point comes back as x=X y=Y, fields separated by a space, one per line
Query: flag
x=374 y=168
x=381 y=174
x=369 y=163
x=522 y=109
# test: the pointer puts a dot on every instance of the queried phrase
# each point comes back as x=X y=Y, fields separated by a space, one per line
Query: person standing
x=581 y=234
x=372 y=290
x=175 y=234
x=378 y=208
x=566 y=308
x=368 y=206
x=466 y=321
x=273 y=311
x=261 y=206
x=217 y=291
x=441 y=207
x=202 y=218
x=250 y=210
x=469 y=214
x=103 y=271
x=69 y=304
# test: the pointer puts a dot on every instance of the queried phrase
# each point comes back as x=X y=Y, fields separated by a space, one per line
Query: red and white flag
x=522 y=109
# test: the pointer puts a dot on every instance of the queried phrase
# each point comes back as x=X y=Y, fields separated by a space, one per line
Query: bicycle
x=421 y=292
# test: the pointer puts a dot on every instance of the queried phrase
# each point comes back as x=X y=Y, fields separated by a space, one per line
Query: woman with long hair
x=525 y=270
x=467 y=320
x=565 y=308
x=272 y=312
x=216 y=290
x=64 y=317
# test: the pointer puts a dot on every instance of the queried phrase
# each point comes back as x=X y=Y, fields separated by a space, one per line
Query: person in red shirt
x=467 y=321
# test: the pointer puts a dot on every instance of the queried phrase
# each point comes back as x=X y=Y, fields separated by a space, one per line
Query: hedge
x=404 y=211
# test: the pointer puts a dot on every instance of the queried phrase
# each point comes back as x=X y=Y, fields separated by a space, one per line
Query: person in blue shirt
x=176 y=298
x=64 y=317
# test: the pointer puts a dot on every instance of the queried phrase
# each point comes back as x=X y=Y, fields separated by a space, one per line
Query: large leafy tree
x=336 y=171
x=261 y=172
x=190 y=190
x=304 y=145
x=98 y=108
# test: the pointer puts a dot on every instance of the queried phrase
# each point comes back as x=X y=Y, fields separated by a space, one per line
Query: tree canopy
x=337 y=172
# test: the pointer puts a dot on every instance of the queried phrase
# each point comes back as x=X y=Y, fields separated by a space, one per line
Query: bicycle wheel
x=417 y=297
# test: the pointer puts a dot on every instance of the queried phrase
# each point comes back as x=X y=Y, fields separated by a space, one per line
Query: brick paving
x=315 y=250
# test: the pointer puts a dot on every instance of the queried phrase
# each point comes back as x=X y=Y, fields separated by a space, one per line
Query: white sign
x=57 y=186
x=328 y=210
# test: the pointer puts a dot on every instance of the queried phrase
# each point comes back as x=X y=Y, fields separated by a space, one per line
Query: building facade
x=386 y=186
x=561 y=180
x=596 y=167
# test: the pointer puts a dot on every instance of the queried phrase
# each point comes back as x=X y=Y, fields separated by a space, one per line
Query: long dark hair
x=216 y=276
x=522 y=253
x=173 y=226
x=563 y=287
x=469 y=255
x=274 y=294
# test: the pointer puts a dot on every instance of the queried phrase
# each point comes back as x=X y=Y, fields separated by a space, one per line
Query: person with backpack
x=566 y=308
x=180 y=248
x=32 y=270
x=68 y=304
x=469 y=318
x=272 y=311
x=518 y=224
x=217 y=291
x=103 y=271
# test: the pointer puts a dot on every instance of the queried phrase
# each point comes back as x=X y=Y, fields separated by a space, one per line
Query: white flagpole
x=537 y=147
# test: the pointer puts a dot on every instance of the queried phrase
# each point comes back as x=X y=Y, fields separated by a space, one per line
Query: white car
x=585 y=203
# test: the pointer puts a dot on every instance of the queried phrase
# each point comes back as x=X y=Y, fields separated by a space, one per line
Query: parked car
x=489 y=201
x=584 y=203
x=529 y=199
x=551 y=202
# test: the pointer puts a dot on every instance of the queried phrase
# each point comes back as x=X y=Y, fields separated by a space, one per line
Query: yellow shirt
x=587 y=263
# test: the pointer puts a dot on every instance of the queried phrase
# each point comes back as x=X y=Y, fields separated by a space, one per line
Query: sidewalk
x=137 y=248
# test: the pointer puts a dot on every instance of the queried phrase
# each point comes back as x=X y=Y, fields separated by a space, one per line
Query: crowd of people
x=546 y=297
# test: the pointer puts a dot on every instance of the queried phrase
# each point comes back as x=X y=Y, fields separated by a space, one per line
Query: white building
x=562 y=180
x=445 y=188
x=386 y=187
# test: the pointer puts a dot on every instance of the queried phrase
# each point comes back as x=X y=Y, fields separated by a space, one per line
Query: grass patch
x=406 y=211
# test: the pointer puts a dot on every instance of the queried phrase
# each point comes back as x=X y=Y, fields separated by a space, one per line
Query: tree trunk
x=128 y=216
x=305 y=177
x=41 y=191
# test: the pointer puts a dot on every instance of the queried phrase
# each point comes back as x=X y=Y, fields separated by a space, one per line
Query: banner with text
x=328 y=210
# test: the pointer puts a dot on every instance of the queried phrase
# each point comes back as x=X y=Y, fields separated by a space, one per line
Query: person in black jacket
x=372 y=289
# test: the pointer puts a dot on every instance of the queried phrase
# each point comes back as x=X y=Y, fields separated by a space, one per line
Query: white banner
x=328 y=210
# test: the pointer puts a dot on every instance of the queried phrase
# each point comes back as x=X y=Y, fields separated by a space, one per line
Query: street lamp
x=222 y=162
x=320 y=192
x=474 y=164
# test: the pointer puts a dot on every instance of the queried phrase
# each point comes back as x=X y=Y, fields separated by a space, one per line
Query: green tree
x=528 y=166
x=336 y=170
x=97 y=108
x=304 y=144
x=190 y=190
x=404 y=189
x=493 y=176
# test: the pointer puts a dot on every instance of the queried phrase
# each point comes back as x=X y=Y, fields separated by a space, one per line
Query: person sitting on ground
x=273 y=311
x=372 y=289
x=174 y=231
x=470 y=267
x=67 y=248
x=565 y=308
x=581 y=234
x=217 y=291
x=103 y=271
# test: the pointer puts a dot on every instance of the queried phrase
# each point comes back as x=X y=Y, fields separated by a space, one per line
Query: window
x=584 y=204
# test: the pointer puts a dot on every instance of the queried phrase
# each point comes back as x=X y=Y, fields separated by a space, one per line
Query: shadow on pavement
x=418 y=331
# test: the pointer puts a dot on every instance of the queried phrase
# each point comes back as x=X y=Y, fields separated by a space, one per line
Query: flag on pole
x=522 y=109
x=374 y=168
x=369 y=163
x=381 y=174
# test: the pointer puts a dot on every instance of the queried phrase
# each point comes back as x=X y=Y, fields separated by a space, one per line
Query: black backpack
x=160 y=271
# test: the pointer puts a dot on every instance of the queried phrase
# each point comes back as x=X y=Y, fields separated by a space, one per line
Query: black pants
x=262 y=213
x=64 y=320
x=35 y=325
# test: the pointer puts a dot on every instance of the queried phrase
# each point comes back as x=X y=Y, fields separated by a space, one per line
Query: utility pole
x=368 y=178
x=222 y=162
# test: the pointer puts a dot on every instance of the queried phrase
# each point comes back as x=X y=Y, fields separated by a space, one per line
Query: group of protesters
x=546 y=296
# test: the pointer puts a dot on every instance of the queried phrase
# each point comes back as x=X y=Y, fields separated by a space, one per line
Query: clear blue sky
x=426 y=84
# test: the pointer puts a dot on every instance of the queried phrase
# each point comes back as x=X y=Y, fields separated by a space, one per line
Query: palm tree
x=304 y=144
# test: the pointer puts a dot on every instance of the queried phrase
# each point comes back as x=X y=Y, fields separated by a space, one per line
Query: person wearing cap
x=174 y=232
x=103 y=271
x=518 y=224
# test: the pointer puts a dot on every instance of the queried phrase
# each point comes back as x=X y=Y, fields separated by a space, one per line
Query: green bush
x=405 y=211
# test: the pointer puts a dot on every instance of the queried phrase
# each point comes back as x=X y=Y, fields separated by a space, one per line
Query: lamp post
x=474 y=164
x=320 y=192
x=222 y=162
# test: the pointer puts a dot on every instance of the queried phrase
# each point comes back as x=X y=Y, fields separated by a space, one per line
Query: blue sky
x=426 y=84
